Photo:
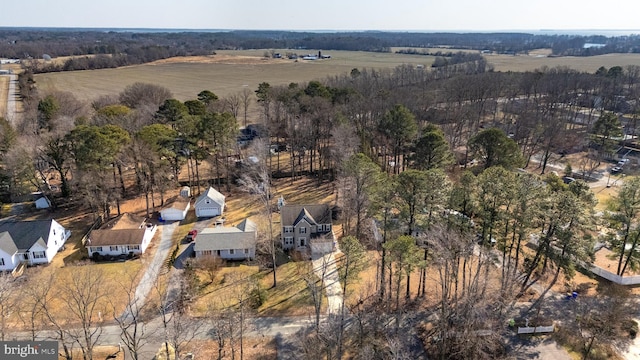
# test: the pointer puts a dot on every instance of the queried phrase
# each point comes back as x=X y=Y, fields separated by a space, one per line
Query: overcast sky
x=429 y=15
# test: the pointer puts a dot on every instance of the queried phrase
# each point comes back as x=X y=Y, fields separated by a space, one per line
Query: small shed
x=43 y=203
x=185 y=192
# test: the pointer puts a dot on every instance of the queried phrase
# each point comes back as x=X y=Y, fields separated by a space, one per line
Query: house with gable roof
x=209 y=204
x=176 y=210
x=303 y=224
x=231 y=243
x=30 y=242
x=126 y=234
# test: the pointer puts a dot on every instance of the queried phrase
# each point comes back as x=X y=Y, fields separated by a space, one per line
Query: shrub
x=630 y=326
x=258 y=296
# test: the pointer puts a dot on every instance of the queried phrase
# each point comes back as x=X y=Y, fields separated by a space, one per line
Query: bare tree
x=257 y=181
x=60 y=323
x=246 y=98
x=8 y=299
x=133 y=329
x=84 y=295
x=232 y=105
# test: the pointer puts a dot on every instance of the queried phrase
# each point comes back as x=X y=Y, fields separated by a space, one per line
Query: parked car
x=191 y=235
x=623 y=162
x=616 y=169
x=568 y=179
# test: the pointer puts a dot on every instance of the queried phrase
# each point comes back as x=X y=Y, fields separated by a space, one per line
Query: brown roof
x=124 y=221
x=318 y=214
x=116 y=237
x=178 y=203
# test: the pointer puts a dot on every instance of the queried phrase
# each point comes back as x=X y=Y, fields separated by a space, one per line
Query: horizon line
x=457 y=31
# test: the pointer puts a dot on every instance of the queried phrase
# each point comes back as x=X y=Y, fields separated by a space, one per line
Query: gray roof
x=242 y=236
x=111 y=237
x=314 y=214
x=212 y=194
x=22 y=235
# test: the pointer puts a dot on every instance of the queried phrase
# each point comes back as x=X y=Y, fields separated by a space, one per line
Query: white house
x=31 y=242
x=43 y=203
x=209 y=204
x=231 y=243
x=124 y=235
x=176 y=210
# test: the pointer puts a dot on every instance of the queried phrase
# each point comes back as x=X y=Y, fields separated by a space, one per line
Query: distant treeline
x=130 y=47
x=445 y=58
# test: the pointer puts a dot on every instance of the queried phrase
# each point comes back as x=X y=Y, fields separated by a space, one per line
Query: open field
x=230 y=71
x=538 y=60
x=225 y=73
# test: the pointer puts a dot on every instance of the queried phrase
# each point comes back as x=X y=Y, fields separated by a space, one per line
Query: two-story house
x=302 y=224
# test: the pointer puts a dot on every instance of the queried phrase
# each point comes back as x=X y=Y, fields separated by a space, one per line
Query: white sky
x=429 y=15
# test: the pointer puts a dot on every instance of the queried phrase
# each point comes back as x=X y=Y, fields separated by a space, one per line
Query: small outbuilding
x=185 y=192
x=210 y=203
x=43 y=203
x=176 y=210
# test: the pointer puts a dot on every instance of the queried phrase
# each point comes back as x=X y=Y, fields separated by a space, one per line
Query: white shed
x=209 y=204
x=185 y=192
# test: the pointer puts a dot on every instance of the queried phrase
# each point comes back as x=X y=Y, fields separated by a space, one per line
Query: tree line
x=120 y=48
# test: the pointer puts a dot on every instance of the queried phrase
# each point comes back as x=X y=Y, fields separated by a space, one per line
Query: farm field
x=230 y=71
x=225 y=73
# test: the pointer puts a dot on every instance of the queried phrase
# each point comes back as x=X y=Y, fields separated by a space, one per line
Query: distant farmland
x=224 y=74
x=230 y=71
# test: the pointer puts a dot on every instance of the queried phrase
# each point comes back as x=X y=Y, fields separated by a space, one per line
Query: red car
x=192 y=235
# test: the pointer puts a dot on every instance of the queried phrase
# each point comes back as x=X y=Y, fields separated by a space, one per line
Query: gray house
x=231 y=243
x=303 y=224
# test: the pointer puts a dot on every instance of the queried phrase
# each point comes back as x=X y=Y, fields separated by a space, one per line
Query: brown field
x=537 y=60
x=230 y=71
x=225 y=73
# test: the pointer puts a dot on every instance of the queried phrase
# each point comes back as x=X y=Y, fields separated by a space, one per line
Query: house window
x=327 y=227
x=288 y=240
x=113 y=248
x=39 y=255
x=133 y=247
x=206 y=252
x=288 y=229
x=303 y=230
x=97 y=249
x=232 y=251
x=303 y=241
x=246 y=251
x=1 y=261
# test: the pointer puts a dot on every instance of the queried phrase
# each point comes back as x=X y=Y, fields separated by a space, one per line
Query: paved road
x=155 y=267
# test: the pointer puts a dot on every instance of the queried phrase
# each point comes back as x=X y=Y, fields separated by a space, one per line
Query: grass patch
x=289 y=297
